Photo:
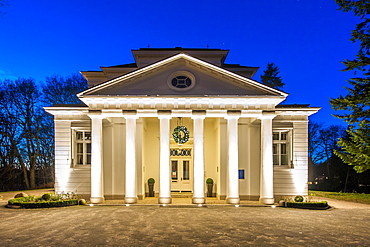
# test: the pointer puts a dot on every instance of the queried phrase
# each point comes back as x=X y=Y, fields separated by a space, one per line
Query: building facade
x=180 y=116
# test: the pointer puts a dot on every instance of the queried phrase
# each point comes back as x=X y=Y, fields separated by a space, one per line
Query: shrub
x=22 y=199
x=209 y=181
x=298 y=199
x=151 y=181
x=46 y=197
x=42 y=204
x=313 y=205
x=45 y=201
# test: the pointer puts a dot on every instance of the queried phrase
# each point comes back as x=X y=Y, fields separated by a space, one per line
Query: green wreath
x=180 y=135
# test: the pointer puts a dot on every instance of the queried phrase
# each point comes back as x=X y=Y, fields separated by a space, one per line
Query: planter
x=209 y=183
x=151 y=182
x=209 y=190
x=151 y=189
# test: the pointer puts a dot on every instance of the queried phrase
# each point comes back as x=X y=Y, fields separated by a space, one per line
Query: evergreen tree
x=271 y=77
x=356 y=104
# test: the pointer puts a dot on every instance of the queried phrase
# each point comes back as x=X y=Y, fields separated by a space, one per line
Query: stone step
x=181 y=194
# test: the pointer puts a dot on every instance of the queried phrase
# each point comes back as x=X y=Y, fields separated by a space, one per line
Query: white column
x=96 y=159
x=130 y=181
x=198 y=177
x=164 y=160
x=233 y=159
x=267 y=169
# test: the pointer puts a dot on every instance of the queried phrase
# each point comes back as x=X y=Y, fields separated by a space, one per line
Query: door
x=181 y=180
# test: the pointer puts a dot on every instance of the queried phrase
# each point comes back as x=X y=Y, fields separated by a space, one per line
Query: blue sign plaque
x=241 y=173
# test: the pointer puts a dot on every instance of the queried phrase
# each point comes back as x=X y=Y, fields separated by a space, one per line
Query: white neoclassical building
x=180 y=116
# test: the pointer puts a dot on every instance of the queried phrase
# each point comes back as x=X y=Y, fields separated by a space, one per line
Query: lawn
x=350 y=197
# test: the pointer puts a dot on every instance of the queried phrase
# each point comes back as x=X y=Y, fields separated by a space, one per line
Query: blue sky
x=307 y=39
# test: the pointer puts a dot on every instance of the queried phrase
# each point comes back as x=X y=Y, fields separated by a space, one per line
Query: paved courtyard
x=214 y=225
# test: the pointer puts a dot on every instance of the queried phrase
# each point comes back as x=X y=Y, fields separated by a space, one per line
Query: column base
x=198 y=200
x=164 y=200
x=233 y=200
x=130 y=200
x=268 y=201
x=96 y=199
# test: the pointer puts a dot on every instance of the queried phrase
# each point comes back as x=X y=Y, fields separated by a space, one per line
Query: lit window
x=82 y=148
x=281 y=148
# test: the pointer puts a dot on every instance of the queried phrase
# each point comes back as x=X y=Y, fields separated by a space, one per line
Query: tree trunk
x=24 y=169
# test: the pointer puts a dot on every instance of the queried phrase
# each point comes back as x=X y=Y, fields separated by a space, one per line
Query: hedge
x=25 y=202
x=307 y=205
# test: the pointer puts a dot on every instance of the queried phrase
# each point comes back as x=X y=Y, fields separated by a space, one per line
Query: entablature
x=183 y=103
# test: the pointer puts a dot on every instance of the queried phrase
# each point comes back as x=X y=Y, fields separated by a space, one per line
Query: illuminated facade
x=181 y=116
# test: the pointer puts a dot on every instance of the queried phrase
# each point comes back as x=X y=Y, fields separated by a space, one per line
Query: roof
x=293 y=106
x=228 y=65
x=179 y=49
x=244 y=82
x=70 y=105
x=128 y=65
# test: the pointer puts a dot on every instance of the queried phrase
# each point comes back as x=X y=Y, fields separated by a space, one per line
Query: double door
x=181 y=175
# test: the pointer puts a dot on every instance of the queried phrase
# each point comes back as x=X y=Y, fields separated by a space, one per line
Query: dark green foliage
x=209 y=181
x=180 y=134
x=307 y=205
x=46 y=201
x=21 y=199
x=271 y=77
x=355 y=105
x=46 y=197
x=42 y=204
x=298 y=199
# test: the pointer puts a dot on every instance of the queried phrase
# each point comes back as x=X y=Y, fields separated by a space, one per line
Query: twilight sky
x=307 y=39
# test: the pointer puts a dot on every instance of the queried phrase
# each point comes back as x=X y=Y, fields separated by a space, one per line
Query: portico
x=231 y=120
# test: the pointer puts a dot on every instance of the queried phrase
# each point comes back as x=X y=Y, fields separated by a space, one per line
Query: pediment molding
x=177 y=60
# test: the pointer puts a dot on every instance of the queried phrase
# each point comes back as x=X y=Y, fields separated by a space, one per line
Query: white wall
x=294 y=181
x=67 y=178
x=211 y=155
x=151 y=152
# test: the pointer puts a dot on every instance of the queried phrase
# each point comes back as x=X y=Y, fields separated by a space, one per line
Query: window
x=82 y=148
x=281 y=148
x=181 y=80
x=180 y=152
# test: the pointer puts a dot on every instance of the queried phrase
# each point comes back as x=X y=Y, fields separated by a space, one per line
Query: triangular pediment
x=202 y=79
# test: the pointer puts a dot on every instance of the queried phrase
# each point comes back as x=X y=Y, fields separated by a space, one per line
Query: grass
x=349 y=197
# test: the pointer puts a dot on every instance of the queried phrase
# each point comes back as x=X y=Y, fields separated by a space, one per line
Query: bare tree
x=62 y=90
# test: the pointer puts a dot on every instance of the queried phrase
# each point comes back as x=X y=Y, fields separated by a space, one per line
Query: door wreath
x=180 y=135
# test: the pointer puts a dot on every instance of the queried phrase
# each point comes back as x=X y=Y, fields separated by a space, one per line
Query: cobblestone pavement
x=214 y=225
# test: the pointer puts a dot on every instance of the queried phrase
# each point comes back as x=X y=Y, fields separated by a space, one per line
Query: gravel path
x=215 y=225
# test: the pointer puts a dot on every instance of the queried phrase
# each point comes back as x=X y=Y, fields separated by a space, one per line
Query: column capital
x=95 y=114
x=130 y=114
x=267 y=115
x=233 y=115
x=198 y=114
x=164 y=114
